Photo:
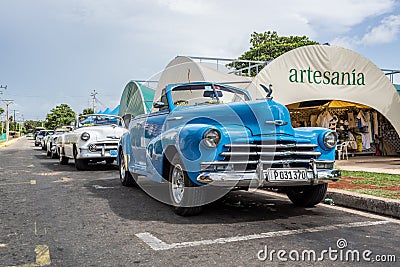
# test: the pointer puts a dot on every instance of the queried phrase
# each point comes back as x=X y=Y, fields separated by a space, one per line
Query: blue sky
x=54 y=52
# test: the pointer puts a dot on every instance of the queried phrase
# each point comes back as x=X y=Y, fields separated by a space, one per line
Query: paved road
x=52 y=214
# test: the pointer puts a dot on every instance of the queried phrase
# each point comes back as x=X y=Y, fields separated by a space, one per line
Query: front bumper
x=98 y=151
x=258 y=177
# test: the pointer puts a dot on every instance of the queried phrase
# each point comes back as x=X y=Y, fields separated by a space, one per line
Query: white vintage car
x=94 y=139
x=51 y=144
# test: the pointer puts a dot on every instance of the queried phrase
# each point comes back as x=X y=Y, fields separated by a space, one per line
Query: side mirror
x=158 y=104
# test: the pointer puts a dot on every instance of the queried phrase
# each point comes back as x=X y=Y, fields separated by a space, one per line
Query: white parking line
x=157 y=244
x=339 y=208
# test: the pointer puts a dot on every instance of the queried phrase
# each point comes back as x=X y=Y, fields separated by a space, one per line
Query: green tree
x=87 y=111
x=61 y=114
x=30 y=125
x=267 y=46
x=1 y=111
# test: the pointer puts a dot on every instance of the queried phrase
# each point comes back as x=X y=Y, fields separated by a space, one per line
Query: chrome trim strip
x=277 y=122
x=174 y=118
x=272 y=154
x=271 y=146
x=208 y=163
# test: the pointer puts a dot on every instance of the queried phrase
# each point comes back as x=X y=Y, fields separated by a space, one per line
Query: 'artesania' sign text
x=326 y=77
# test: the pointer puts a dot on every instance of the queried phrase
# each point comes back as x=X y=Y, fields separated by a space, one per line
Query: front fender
x=125 y=146
x=314 y=135
x=188 y=142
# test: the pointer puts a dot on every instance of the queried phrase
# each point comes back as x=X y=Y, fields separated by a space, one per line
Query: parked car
x=45 y=139
x=94 y=139
x=51 y=145
x=39 y=137
x=203 y=138
x=36 y=131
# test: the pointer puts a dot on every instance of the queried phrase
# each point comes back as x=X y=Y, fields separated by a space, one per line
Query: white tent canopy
x=321 y=72
x=184 y=69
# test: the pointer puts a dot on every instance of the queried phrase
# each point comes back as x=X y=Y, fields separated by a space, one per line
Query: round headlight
x=211 y=138
x=85 y=136
x=330 y=139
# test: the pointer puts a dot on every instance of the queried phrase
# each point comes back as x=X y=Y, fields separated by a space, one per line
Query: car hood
x=99 y=133
x=261 y=117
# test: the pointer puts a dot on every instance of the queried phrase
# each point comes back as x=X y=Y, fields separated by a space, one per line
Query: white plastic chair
x=342 y=150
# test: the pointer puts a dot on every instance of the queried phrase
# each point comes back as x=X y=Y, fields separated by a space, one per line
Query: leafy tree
x=1 y=111
x=267 y=46
x=30 y=125
x=87 y=111
x=61 y=114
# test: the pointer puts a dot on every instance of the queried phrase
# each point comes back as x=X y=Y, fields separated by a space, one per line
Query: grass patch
x=381 y=180
x=370 y=183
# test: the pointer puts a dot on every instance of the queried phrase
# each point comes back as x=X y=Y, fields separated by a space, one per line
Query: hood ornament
x=268 y=90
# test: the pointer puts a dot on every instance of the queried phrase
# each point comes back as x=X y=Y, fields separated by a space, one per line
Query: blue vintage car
x=203 y=139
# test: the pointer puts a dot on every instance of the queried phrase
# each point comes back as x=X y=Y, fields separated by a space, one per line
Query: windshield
x=98 y=120
x=206 y=94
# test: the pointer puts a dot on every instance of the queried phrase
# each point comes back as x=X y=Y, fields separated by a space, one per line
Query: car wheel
x=126 y=178
x=81 y=164
x=63 y=160
x=53 y=154
x=307 y=196
x=187 y=199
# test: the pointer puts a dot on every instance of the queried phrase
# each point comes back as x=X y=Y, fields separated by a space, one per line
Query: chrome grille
x=103 y=146
x=278 y=155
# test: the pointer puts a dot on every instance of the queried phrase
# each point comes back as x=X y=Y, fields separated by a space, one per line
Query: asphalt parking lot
x=53 y=215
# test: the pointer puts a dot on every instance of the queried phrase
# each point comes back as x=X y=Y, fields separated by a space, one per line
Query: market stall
x=360 y=128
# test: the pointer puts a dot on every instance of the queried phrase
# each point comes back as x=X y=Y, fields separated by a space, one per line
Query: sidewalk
x=10 y=142
x=383 y=206
x=389 y=165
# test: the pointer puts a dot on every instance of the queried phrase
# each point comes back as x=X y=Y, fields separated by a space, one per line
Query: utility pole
x=7 y=102
x=94 y=100
x=14 y=118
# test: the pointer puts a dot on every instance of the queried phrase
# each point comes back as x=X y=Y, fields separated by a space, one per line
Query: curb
x=378 y=205
x=10 y=142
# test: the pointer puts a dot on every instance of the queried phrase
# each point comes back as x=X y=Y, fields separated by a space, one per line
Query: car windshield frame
x=98 y=120
x=206 y=94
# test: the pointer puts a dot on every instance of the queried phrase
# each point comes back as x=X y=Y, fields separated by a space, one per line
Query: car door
x=145 y=128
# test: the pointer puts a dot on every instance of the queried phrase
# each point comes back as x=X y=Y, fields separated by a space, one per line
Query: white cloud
x=190 y=7
x=386 y=32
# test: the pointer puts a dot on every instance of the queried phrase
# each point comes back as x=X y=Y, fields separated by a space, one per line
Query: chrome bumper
x=86 y=154
x=258 y=177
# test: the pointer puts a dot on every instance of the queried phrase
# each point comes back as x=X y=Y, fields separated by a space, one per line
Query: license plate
x=286 y=174
x=113 y=152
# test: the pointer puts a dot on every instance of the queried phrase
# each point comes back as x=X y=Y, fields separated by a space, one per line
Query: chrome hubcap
x=122 y=168
x=177 y=184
